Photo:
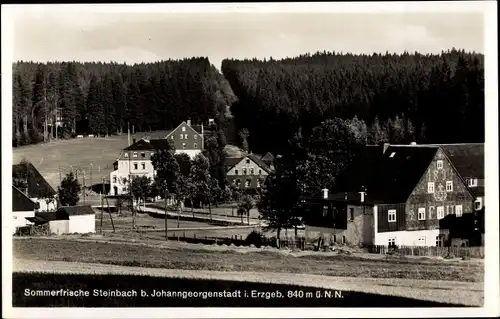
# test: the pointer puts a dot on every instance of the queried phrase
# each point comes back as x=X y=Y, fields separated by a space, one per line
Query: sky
x=54 y=34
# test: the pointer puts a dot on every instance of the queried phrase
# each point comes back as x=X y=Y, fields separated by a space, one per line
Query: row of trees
x=441 y=95
x=107 y=98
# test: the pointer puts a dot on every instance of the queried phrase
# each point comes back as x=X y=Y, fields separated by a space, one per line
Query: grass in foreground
x=153 y=292
x=263 y=261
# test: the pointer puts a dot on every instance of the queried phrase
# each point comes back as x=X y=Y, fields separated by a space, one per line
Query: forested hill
x=101 y=98
x=432 y=98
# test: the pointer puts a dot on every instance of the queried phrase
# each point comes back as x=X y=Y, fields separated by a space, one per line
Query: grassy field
x=190 y=257
x=153 y=292
x=100 y=152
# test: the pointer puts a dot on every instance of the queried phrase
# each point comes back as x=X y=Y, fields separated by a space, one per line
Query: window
x=449 y=186
x=238 y=182
x=392 y=241
x=172 y=137
x=135 y=165
x=183 y=146
x=258 y=183
x=152 y=153
x=195 y=137
x=392 y=215
x=244 y=171
x=440 y=212
x=392 y=154
x=351 y=213
x=251 y=171
x=143 y=155
x=185 y=136
x=478 y=204
x=135 y=154
x=143 y=165
x=325 y=211
x=439 y=164
x=195 y=145
x=430 y=187
x=421 y=241
x=260 y=172
x=248 y=161
x=235 y=172
x=472 y=182
x=439 y=241
x=124 y=189
x=421 y=213
x=114 y=179
x=126 y=155
x=247 y=183
x=182 y=135
x=184 y=129
x=458 y=210
x=343 y=239
x=431 y=212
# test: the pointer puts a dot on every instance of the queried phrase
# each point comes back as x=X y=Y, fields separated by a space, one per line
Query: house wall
x=420 y=198
x=383 y=223
x=59 y=227
x=408 y=238
x=236 y=173
x=358 y=231
x=19 y=219
x=126 y=169
x=82 y=224
x=194 y=140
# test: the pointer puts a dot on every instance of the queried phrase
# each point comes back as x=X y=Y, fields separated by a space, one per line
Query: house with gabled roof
x=248 y=172
x=28 y=180
x=22 y=208
x=391 y=195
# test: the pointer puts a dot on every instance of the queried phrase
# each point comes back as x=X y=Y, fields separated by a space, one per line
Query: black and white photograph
x=247 y=160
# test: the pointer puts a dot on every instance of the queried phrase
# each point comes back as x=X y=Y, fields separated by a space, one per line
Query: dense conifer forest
x=105 y=98
x=396 y=98
x=399 y=98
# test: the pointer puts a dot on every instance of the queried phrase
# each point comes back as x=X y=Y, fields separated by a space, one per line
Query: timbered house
x=402 y=192
x=248 y=172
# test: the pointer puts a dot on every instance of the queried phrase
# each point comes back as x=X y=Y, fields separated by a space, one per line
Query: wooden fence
x=473 y=252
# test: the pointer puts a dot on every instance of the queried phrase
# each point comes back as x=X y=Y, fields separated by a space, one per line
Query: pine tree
x=95 y=107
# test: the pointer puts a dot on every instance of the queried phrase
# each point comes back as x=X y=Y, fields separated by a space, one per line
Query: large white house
x=22 y=208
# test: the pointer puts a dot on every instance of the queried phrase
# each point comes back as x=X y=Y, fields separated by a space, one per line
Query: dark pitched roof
x=76 y=210
x=21 y=202
x=468 y=158
x=259 y=162
x=38 y=187
x=232 y=161
x=148 y=145
x=43 y=217
x=388 y=177
x=268 y=158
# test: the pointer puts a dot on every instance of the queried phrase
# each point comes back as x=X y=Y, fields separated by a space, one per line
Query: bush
x=449 y=256
x=254 y=238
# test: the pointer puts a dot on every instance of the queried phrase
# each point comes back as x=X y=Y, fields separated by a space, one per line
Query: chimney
x=325 y=193
x=362 y=196
x=189 y=122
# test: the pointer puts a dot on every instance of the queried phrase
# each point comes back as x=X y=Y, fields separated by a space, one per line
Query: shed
x=81 y=218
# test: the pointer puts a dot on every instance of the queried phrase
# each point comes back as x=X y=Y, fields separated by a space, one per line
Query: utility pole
x=166 y=222
x=84 y=190
x=91 y=174
x=60 y=179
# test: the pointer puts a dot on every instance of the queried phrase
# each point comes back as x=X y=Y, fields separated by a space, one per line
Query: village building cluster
x=405 y=195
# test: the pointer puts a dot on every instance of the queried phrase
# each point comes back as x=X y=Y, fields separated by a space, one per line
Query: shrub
x=254 y=238
x=449 y=256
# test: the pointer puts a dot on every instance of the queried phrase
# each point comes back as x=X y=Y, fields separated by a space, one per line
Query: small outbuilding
x=66 y=220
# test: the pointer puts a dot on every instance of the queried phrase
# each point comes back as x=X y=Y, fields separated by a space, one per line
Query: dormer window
x=472 y=182
x=125 y=155
x=135 y=154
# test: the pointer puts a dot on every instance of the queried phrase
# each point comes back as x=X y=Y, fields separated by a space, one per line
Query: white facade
x=247 y=167
x=19 y=219
x=82 y=224
x=127 y=169
x=191 y=153
x=45 y=205
x=59 y=227
x=408 y=238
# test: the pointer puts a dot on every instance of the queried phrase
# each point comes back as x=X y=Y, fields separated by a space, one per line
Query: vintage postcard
x=249 y=160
